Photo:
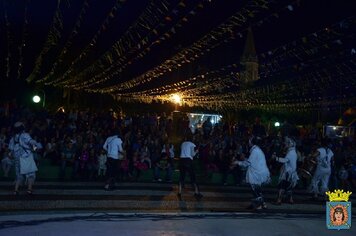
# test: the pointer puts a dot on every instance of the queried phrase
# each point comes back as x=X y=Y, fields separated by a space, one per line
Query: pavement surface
x=147 y=197
x=84 y=208
x=148 y=224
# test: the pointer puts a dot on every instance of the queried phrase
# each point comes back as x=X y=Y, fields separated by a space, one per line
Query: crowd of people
x=80 y=140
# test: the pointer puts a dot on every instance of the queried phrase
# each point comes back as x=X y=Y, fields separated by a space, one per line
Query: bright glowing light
x=334 y=128
x=176 y=98
x=36 y=99
x=61 y=109
x=277 y=124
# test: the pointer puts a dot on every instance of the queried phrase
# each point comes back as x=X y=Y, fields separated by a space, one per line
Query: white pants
x=321 y=176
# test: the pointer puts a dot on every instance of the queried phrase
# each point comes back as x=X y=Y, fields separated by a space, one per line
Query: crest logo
x=338 y=210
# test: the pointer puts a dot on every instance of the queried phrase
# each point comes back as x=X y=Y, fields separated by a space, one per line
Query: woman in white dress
x=257 y=172
x=22 y=147
x=288 y=177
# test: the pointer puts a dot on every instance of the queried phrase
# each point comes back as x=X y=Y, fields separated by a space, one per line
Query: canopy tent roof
x=147 y=50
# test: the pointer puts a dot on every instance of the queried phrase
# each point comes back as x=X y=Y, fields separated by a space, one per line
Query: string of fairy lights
x=298 y=75
x=52 y=39
x=68 y=44
x=109 y=73
x=227 y=74
x=23 y=42
x=277 y=94
x=306 y=87
x=220 y=35
x=270 y=96
x=7 y=59
x=183 y=87
x=306 y=47
x=281 y=96
x=93 y=42
x=57 y=26
x=139 y=43
x=184 y=19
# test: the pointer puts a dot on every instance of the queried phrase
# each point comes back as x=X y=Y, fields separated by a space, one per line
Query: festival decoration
x=23 y=43
x=7 y=59
x=68 y=44
x=221 y=34
x=134 y=42
x=313 y=72
x=52 y=39
x=93 y=41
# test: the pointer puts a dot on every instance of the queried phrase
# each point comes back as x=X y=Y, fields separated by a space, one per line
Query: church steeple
x=249 y=61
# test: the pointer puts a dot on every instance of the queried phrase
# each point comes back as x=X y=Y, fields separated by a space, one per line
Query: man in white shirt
x=322 y=173
x=115 y=154
x=257 y=172
x=188 y=151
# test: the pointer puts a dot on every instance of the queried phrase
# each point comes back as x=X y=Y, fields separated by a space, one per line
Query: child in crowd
x=168 y=150
x=138 y=166
x=102 y=158
x=145 y=156
x=164 y=163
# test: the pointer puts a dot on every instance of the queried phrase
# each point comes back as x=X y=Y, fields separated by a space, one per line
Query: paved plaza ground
x=148 y=224
x=83 y=208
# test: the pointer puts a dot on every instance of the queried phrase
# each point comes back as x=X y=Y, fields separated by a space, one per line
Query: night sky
x=67 y=43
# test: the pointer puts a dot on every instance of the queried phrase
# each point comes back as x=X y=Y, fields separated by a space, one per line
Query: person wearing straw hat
x=22 y=147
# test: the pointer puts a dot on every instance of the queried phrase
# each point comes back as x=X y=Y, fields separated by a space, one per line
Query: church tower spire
x=249 y=61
